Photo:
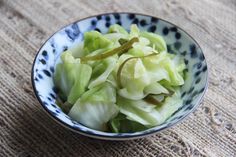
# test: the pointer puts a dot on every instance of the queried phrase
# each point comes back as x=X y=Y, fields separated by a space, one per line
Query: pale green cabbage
x=72 y=77
x=96 y=107
x=120 y=81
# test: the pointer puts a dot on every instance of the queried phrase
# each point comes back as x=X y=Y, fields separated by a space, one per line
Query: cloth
x=27 y=131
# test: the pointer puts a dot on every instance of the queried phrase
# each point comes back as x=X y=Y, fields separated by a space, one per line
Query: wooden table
x=26 y=130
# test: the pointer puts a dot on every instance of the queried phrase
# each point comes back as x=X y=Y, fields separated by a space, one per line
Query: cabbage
x=155 y=99
x=115 y=37
x=120 y=81
x=133 y=78
x=139 y=76
x=116 y=32
x=139 y=111
x=96 y=107
x=117 y=29
x=170 y=106
x=149 y=114
x=163 y=64
x=71 y=77
x=156 y=40
x=123 y=125
x=175 y=78
x=94 y=40
x=134 y=31
x=77 y=51
x=101 y=71
x=142 y=48
x=112 y=79
x=155 y=88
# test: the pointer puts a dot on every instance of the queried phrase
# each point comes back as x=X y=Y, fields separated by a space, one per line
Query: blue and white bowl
x=178 y=41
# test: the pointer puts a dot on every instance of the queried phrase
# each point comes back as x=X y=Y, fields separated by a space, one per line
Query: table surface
x=25 y=129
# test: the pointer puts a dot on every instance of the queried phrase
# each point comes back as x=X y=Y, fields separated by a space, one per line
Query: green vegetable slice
x=123 y=48
x=96 y=107
x=151 y=100
x=156 y=40
x=123 y=64
x=149 y=115
x=71 y=77
x=120 y=124
x=139 y=111
x=94 y=40
x=134 y=31
x=101 y=71
x=122 y=41
x=117 y=29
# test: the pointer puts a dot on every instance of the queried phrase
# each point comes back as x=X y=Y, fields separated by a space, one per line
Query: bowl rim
x=120 y=136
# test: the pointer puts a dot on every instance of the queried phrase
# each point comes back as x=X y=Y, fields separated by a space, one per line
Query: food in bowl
x=119 y=81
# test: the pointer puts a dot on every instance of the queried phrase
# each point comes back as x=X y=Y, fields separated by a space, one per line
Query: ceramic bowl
x=178 y=42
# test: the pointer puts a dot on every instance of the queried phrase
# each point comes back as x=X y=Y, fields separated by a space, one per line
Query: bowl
x=178 y=41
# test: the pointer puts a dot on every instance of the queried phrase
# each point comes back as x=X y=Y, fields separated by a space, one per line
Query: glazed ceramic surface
x=178 y=42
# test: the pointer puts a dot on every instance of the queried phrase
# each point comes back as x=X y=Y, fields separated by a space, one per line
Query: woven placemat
x=27 y=131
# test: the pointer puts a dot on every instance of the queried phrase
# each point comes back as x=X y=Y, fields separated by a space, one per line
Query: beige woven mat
x=26 y=131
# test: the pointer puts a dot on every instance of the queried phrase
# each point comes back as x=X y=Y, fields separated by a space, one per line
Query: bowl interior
x=178 y=42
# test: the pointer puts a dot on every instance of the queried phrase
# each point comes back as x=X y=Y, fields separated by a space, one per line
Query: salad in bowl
x=119 y=76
